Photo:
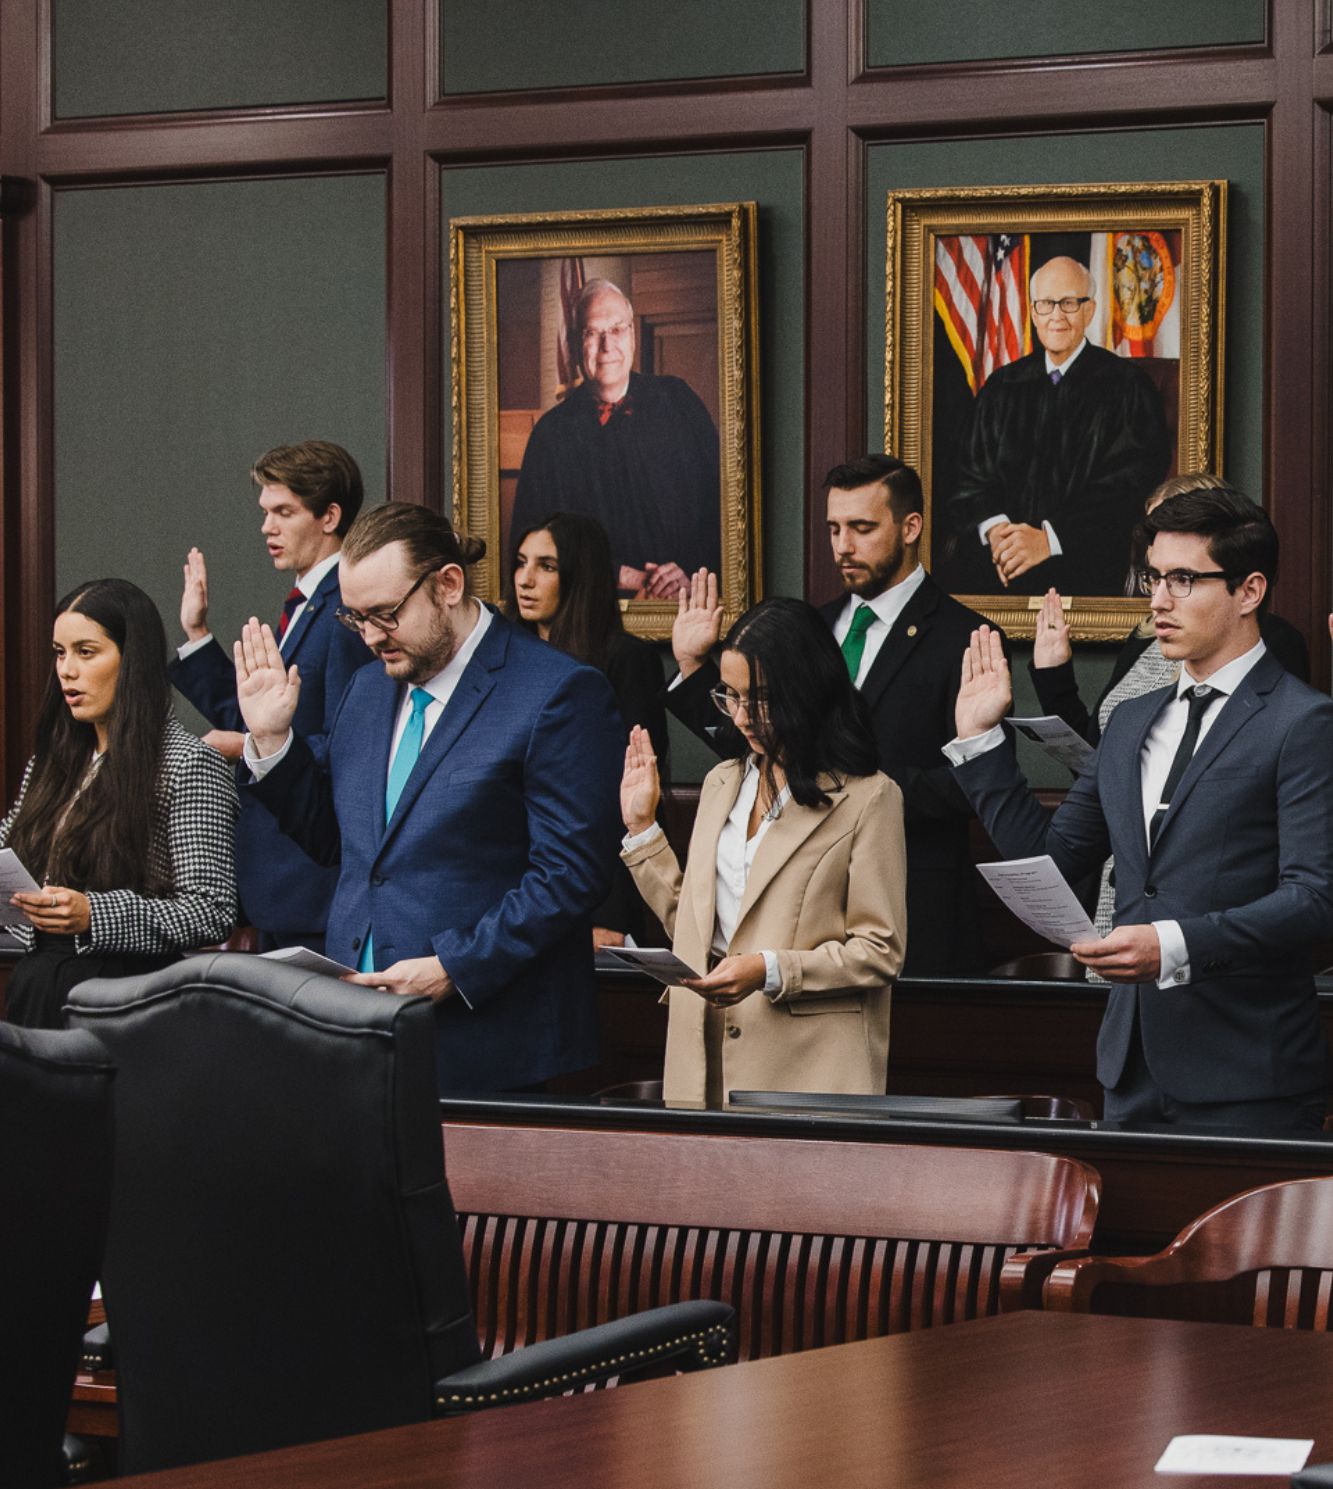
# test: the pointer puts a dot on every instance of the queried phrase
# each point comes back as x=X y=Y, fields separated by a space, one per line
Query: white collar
x=313 y=577
x=890 y=603
x=442 y=685
x=1063 y=367
x=1226 y=679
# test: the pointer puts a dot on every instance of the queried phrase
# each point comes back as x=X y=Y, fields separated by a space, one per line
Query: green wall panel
x=903 y=32
x=164 y=56
x=195 y=327
x=1231 y=152
x=537 y=44
x=775 y=180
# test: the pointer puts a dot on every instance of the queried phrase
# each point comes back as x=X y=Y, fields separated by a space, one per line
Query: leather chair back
x=284 y=1263
x=55 y=1191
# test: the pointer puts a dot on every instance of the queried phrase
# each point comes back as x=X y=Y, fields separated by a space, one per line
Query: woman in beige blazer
x=792 y=900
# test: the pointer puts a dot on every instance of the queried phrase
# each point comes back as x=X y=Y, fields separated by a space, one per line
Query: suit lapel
x=325 y=592
x=478 y=679
x=1244 y=704
x=720 y=792
x=906 y=634
x=381 y=715
x=782 y=840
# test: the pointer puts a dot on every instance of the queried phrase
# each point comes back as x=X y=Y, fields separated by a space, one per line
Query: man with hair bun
x=468 y=797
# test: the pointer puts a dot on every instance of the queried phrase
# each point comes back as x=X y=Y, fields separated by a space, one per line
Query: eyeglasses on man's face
x=730 y=702
x=1179 y=582
x=1069 y=304
x=382 y=620
x=618 y=332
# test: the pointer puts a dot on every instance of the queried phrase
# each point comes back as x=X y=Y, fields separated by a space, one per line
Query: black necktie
x=1198 y=698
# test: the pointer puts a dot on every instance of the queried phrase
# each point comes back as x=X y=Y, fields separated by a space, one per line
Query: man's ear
x=333 y=515
x=913 y=524
x=449 y=584
x=1252 y=590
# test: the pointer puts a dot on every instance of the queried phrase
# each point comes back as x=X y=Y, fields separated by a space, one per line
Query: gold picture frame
x=959 y=263
x=692 y=278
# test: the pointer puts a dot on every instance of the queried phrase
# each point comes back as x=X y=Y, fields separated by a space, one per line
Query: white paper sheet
x=307 y=960
x=14 y=879
x=1038 y=893
x=659 y=963
x=1064 y=745
x=1206 y=1453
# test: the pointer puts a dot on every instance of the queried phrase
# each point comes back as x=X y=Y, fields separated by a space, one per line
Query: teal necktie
x=854 y=642
x=404 y=758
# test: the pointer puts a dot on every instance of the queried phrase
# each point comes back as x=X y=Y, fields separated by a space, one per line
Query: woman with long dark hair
x=792 y=901
x=124 y=818
x=561 y=587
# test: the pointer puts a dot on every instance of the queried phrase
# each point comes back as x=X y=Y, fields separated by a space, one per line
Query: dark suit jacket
x=282 y=892
x=498 y=850
x=910 y=691
x=1243 y=861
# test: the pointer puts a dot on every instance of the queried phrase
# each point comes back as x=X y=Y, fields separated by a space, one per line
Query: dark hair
x=1173 y=486
x=588 y=615
x=429 y=538
x=901 y=482
x=318 y=474
x=1241 y=538
x=815 y=721
x=104 y=836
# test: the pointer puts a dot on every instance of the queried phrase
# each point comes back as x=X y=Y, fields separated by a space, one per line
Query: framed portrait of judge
x=606 y=363
x=1053 y=354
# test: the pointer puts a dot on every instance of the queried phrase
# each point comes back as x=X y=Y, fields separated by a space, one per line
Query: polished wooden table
x=1024 y=1400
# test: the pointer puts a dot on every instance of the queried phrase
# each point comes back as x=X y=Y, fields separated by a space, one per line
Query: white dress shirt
x=984 y=527
x=1159 y=749
x=735 y=858
x=888 y=606
x=440 y=687
x=308 y=583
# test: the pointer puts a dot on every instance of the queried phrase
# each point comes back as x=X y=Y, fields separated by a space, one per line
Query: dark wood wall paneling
x=833 y=111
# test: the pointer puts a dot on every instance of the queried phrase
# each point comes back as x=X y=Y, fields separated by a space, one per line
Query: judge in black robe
x=650 y=474
x=1081 y=454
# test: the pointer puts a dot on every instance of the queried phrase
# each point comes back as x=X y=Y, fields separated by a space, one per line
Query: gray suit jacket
x=1243 y=861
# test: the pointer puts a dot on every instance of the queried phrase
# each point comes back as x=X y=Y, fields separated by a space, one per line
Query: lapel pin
x=911 y=630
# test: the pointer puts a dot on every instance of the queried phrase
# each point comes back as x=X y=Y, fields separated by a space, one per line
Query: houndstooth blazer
x=194 y=822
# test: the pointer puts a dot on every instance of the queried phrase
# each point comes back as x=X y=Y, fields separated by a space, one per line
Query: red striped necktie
x=289 y=608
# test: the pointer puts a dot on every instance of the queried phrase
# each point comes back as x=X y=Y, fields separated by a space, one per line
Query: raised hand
x=985 y=696
x=1050 y=647
x=266 y=688
x=640 y=788
x=194 y=597
x=698 y=624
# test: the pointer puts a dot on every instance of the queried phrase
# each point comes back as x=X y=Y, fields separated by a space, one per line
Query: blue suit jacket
x=498 y=850
x=282 y=891
x=1244 y=862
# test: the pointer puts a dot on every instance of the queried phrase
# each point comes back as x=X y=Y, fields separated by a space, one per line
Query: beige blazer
x=826 y=891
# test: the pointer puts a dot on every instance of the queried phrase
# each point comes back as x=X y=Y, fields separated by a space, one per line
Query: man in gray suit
x=1215 y=796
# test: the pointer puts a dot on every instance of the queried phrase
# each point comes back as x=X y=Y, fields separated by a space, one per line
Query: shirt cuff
x=188 y=648
x=984 y=527
x=1056 y=549
x=260 y=767
x=1175 y=954
x=772 y=975
x=960 y=751
x=634 y=840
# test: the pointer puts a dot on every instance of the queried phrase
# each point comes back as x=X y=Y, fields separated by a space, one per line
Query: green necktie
x=854 y=642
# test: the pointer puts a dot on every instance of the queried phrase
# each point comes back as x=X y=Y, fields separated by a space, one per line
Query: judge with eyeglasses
x=1065 y=444
x=1215 y=795
x=792 y=903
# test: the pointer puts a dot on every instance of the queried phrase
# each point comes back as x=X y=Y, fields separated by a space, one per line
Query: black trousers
x=41 y=980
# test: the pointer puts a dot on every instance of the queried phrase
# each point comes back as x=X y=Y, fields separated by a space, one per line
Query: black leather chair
x=284 y=1263
x=55 y=1191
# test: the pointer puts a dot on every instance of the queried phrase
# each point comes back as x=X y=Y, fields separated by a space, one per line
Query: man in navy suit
x=469 y=797
x=1215 y=796
x=310 y=495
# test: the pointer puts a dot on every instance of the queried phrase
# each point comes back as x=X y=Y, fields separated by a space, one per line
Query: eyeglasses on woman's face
x=730 y=702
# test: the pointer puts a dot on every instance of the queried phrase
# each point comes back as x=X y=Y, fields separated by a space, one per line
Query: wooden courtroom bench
x=812 y=1242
